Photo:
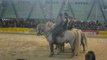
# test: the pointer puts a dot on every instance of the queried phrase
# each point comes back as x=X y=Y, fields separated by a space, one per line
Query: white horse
x=50 y=24
x=39 y=28
x=44 y=28
x=74 y=37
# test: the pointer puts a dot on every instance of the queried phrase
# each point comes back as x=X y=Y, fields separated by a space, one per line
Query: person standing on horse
x=65 y=23
x=60 y=27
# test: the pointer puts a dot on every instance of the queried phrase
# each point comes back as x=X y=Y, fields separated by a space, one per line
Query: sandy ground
x=32 y=47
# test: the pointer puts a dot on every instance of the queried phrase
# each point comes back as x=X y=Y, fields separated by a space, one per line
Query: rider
x=65 y=21
x=61 y=27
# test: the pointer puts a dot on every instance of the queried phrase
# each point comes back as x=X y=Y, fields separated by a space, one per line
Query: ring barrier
x=20 y=30
x=32 y=31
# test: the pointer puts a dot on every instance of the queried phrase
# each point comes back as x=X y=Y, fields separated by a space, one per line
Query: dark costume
x=59 y=29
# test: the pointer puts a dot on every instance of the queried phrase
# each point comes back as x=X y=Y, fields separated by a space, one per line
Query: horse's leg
x=83 y=45
x=62 y=47
x=51 y=50
x=72 y=49
x=38 y=32
x=58 y=48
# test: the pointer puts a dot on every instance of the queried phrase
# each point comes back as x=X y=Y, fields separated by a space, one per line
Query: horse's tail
x=85 y=38
x=77 y=41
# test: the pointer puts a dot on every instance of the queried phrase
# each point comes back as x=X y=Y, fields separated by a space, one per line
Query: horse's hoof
x=50 y=55
x=38 y=34
x=20 y=59
x=62 y=50
x=76 y=54
x=58 y=53
x=72 y=56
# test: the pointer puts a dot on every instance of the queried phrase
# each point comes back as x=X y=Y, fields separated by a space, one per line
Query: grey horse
x=44 y=28
x=74 y=37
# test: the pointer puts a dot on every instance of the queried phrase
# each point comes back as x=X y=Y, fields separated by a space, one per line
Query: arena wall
x=102 y=32
x=50 y=9
x=33 y=31
x=17 y=30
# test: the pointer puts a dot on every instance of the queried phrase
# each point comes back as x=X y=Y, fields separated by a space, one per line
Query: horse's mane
x=51 y=31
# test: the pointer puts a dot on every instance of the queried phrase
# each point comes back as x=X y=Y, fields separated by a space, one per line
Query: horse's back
x=72 y=32
x=70 y=36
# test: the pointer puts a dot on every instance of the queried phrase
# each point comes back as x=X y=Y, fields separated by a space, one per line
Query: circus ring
x=32 y=47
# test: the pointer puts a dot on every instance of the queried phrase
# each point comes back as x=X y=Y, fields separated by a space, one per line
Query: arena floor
x=32 y=47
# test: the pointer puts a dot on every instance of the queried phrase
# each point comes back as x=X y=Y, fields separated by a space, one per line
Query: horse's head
x=40 y=28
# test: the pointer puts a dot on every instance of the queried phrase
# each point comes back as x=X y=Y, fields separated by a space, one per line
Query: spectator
x=90 y=56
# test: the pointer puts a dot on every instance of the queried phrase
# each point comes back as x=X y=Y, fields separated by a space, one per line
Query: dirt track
x=32 y=47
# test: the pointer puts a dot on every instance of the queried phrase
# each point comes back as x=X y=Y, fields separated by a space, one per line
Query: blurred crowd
x=88 y=25
x=29 y=23
x=32 y=23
